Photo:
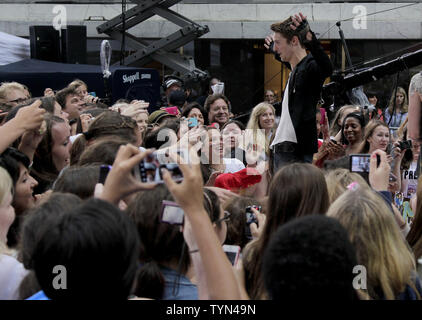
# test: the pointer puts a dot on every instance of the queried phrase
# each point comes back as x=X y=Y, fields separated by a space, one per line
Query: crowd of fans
x=300 y=231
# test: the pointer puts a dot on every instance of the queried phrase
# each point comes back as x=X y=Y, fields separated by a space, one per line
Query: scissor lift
x=162 y=49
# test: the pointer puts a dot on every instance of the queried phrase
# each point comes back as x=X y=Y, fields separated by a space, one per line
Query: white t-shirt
x=285 y=130
x=410 y=180
x=11 y=274
x=233 y=165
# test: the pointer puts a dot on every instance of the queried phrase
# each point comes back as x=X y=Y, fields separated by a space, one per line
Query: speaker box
x=44 y=43
x=74 y=44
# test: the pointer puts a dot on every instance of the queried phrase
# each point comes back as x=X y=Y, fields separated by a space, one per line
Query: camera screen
x=359 y=163
x=173 y=214
x=150 y=168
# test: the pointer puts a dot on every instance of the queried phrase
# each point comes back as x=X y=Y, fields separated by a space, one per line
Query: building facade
x=233 y=49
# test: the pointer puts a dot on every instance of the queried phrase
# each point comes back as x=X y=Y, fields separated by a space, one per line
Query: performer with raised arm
x=296 y=136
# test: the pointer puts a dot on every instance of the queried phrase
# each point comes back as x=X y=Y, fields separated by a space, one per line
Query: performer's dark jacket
x=304 y=93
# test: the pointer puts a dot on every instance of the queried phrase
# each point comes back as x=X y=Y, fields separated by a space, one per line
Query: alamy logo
x=131 y=78
x=360 y=280
x=360 y=20
x=60 y=20
x=60 y=281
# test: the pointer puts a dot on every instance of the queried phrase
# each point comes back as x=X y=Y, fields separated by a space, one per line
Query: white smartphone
x=232 y=253
x=172 y=213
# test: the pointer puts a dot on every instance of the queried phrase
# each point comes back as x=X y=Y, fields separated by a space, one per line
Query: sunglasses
x=18 y=101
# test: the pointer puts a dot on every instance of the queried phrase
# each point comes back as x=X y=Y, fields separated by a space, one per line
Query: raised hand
x=268 y=40
x=297 y=20
x=188 y=193
x=48 y=92
x=120 y=182
x=30 y=141
x=256 y=230
x=219 y=278
x=30 y=117
x=86 y=120
x=90 y=99
x=379 y=176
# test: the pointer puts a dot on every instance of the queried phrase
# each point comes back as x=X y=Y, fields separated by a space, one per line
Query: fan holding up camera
x=377 y=137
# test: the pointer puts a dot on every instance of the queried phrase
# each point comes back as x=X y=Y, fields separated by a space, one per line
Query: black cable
x=123 y=46
x=394 y=103
x=367 y=15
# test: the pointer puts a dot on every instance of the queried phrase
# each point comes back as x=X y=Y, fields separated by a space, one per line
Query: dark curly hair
x=310 y=258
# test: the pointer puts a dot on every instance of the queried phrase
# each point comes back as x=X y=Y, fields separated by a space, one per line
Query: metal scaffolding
x=161 y=50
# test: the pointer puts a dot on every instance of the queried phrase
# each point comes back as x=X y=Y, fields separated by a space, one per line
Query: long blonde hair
x=254 y=130
x=404 y=106
x=379 y=245
x=6 y=186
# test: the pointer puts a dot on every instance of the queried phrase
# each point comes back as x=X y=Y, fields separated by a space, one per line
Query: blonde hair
x=334 y=126
x=76 y=84
x=258 y=137
x=339 y=179
x=6 y=185
x=6 y=86
x=404 y=106
x=379 y=245
x=402 y=130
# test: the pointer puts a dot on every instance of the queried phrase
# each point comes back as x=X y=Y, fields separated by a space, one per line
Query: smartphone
x=104 y=170
x=251 y=218
x=359 y=162
x=150 y=168
x=192 y=122
x=232 y=253
x=323 y=115
x=172 y=213
x=92 y=94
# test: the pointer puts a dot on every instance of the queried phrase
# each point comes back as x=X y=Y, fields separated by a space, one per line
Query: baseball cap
x=158 y=115
x=171 y=82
